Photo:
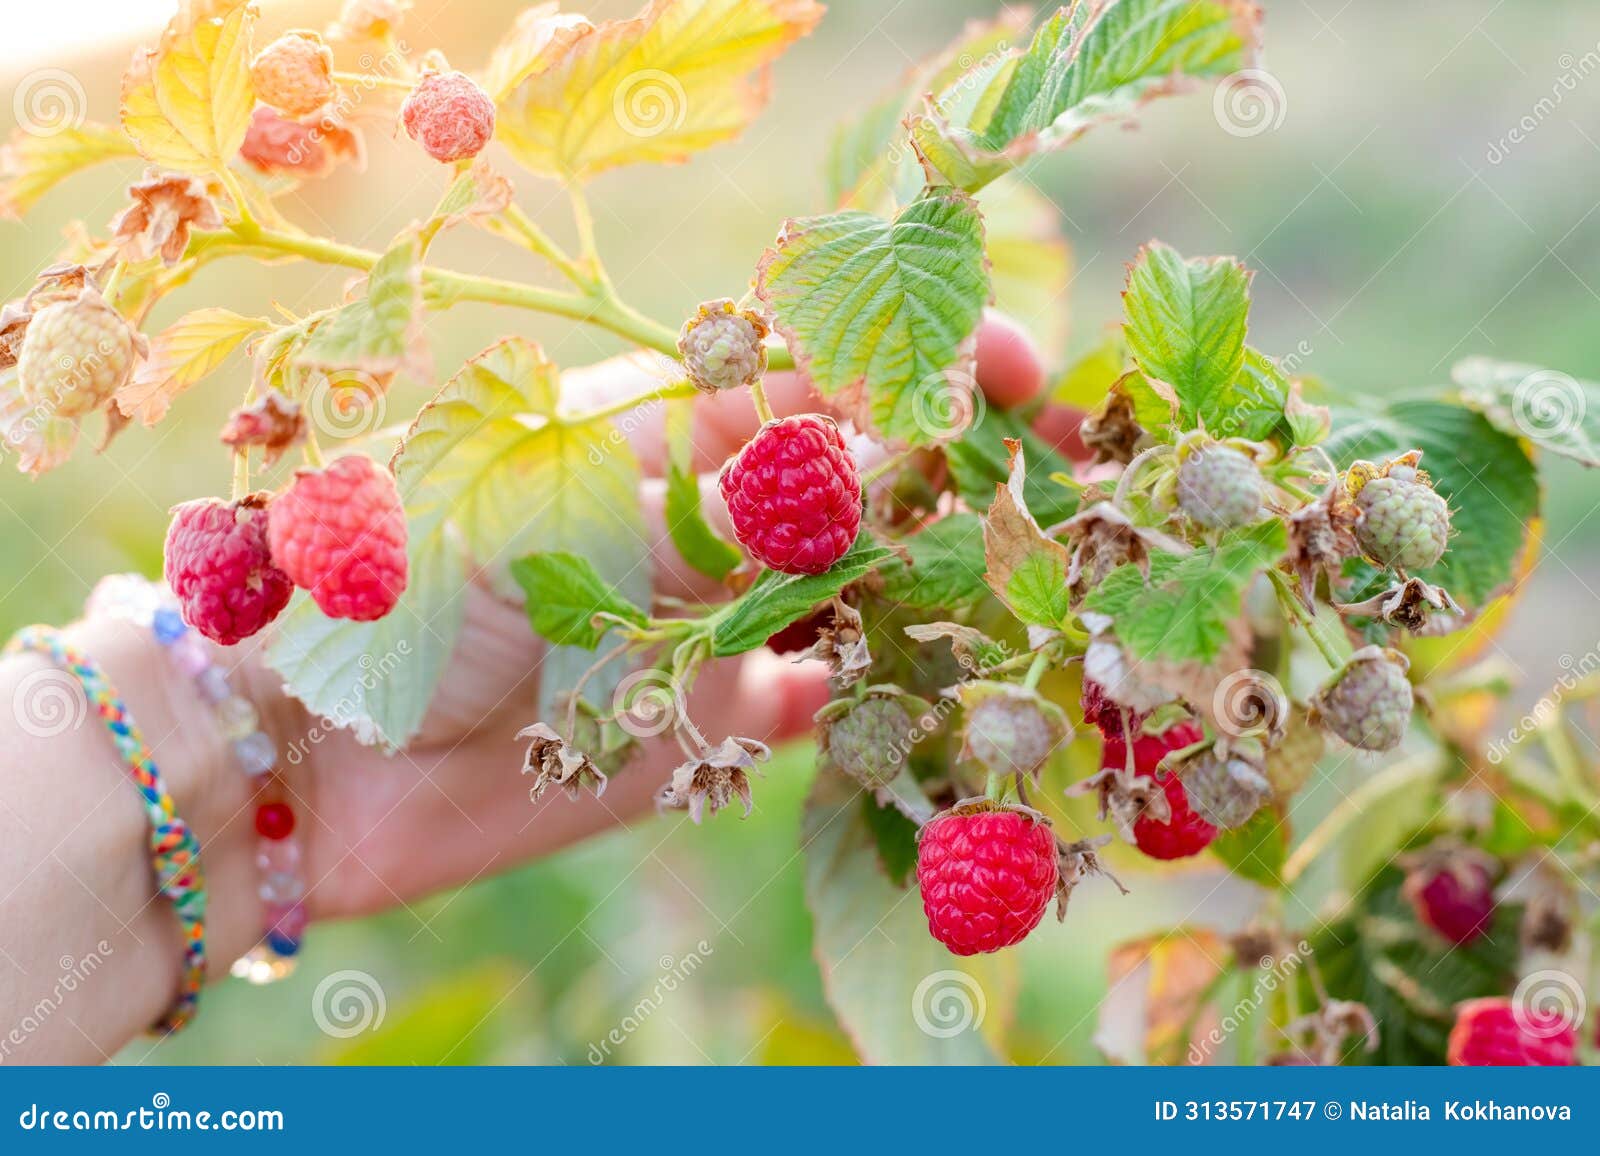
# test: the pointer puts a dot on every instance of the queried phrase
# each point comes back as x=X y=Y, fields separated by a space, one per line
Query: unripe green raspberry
x=1404 y=524
x=1225 y=787
x=870 y=740
x=1219 y=487
x=294 y=74
x=76 y=354
x=723 y=347
x=1367 y=702
x=1009 y=729
x=1291 y=761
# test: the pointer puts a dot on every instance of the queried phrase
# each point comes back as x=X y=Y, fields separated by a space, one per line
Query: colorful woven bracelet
x=174 y=851
x=281 y=886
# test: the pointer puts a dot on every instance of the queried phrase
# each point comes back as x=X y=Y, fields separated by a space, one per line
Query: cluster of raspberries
x=338 y=533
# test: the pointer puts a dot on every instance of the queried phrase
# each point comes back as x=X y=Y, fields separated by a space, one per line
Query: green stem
x=666 y=393
x=763 y=406
x=543 y=245
x=1289 y=601
x=1041 y=663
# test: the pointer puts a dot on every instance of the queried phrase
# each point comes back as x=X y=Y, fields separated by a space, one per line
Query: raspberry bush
x=1043 y=667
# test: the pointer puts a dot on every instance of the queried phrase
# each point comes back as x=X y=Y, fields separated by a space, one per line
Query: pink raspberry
x=794 y=495
x=1185 y=833
x=986 y=877
x=449 y=116
x=218 y=565
x=276 y=145
x=1495 y=1033
x=1456 y=900
x=340 y=533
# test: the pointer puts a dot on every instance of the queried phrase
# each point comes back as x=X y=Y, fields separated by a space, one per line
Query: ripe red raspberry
x=986 y=877
x=1455 y=899
x=1185 y=833
x=794 y=495
x=449 y=116
x=1496 y=1033
x=218 y=566
x=1101 y=712
x=340 y=533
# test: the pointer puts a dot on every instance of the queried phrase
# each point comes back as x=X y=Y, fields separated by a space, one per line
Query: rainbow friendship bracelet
x=174 y=851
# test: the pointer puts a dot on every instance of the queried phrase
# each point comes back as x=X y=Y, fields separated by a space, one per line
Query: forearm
x=92 y=955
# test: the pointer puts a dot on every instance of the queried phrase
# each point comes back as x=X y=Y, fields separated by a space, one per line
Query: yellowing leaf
x=180 y=355
x=682 y=76
x=538 y=36
x=186 y=104
x=1158 y=987
x=33 y=164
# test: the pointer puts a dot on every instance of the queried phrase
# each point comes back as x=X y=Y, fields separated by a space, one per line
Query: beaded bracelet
x=174 y=851
x=281 y=887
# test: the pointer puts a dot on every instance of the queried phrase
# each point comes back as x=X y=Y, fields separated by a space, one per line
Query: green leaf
x=1255 y=406
x=1485 y=475
x=1184 y=612
x=1024 y=567
x=776 y=599
x=885 y=977
x=895 y=837
x=978 y=462
x=377 y=678
x=1410 y=979
x=880 y=311
x=1087 y=64
x=565 y=594
x=701 y=546
x=1089 y=379
x=1257 y=850
x=1555 y=411
x=380 y=332
x=946 y=566
x=1185 y=323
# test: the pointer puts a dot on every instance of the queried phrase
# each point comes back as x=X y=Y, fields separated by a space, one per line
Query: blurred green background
x=1390 y=237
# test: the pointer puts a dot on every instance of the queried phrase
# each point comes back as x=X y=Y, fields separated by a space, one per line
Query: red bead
x=274 y=820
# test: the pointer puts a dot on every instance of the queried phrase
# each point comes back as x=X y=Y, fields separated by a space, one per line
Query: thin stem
x=763 y=406
x=893 y=462
x=241 y=473
x=1296 y=613
x=1041 y=663
x=682 y=389
x=1125 y=482
x=372 y=80
x=542 y=244
x=236 y=192
x=583 y=218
